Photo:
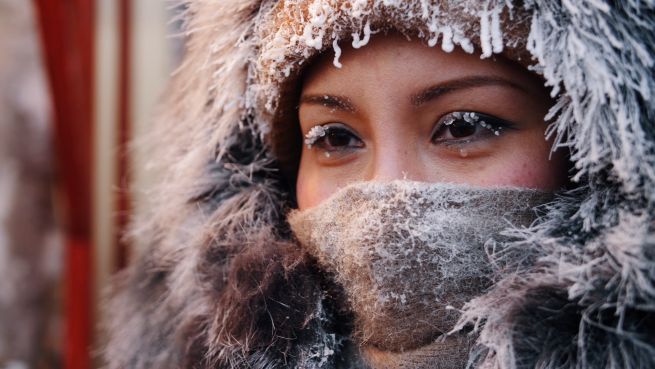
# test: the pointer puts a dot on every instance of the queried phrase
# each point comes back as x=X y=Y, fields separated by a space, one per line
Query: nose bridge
x=394 y=158
x=394 y=136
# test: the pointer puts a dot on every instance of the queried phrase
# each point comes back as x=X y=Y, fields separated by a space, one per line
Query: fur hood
x=218 y=282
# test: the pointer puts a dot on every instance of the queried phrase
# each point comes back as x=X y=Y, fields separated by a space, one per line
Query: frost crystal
x=337 y=54
x=447 y=42
x=357 y=43
x=314 y=134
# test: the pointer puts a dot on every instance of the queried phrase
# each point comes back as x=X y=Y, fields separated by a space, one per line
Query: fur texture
x=219 y=284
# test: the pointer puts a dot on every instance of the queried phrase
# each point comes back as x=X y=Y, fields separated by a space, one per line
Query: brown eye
x=337 y=138
x=460 y=129
x=464 y=127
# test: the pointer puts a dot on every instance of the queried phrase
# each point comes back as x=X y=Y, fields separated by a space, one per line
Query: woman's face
x=398 y=109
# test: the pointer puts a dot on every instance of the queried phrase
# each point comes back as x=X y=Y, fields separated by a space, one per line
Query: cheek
x=521 y=174
x=312 y=187
x=529 y=169
x=306 y=197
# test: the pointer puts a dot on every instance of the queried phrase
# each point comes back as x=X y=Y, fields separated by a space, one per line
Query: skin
x=386 y=111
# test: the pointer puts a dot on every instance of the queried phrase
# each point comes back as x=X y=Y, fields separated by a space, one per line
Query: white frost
x=337 y=53
x=313 y=135
x=357 y=43
x=310 y=40
x=447 y=42
x=496 y=32
x=485 y=35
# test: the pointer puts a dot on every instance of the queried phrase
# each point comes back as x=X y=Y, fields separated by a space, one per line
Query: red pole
x=67 y=34
x=124 y=126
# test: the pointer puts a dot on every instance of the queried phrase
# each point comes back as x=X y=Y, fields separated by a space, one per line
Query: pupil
x=337 y=139
x=461 y=129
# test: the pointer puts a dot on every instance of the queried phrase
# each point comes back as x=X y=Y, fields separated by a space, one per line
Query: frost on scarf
x=410 y=254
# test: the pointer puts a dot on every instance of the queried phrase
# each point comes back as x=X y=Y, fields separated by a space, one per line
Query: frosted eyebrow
x=329 y=101
x=436 y=91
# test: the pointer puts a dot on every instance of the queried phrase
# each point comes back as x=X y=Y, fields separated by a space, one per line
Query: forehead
x=392 y=60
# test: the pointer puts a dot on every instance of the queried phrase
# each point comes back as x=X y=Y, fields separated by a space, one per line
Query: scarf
x=408 y=256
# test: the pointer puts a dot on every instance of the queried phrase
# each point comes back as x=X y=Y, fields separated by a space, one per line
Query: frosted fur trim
x=592 y=290
x=604 y=72
x=293 y=31
x=218 y=208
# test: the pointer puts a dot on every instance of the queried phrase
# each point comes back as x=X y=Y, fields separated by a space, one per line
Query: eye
x=333 y=137
x=464 y=127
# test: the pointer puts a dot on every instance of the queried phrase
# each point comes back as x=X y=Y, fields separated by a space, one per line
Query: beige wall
x=153 y=57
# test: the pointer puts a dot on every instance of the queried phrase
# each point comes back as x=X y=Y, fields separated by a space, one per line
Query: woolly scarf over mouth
x=408 y=256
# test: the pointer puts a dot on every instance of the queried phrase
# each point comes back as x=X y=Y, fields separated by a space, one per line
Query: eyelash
x=318 y=135
x=495 y=126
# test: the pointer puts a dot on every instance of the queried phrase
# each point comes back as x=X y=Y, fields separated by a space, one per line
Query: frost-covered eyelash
x=314 y=134
x=317 y=132
x=473 y=118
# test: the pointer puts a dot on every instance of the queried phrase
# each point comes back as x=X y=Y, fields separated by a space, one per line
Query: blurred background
x=79 y=80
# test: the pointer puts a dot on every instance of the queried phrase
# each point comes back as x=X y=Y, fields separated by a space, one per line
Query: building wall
x=155 y=49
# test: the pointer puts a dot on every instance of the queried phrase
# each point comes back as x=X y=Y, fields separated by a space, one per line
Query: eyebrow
x=431 y=93
x=329 y=101
x=437 y=91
